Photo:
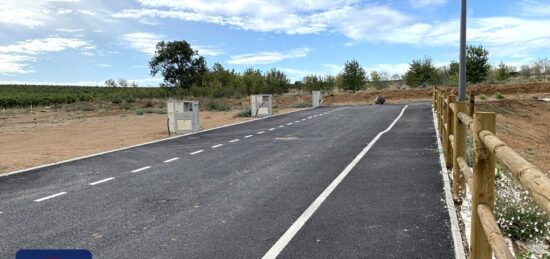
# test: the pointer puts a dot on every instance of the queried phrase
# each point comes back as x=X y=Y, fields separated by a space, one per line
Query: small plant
x=517 y=215
x=116 y=99
x=525 y=255
x=216 y=105
x=143 y=111
x=149 y=104
x=499 y=96
x=300 y=105
x=246 y=112
x=482 y=97
x=130 y=99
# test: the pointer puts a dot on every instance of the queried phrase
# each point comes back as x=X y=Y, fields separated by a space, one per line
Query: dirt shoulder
x=34 y=138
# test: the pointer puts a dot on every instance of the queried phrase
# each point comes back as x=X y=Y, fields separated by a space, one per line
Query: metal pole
x=462 y=70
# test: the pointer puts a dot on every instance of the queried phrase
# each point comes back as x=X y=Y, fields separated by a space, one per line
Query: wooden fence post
x=483 y=184
x=439 y=109
x=459 y=150
x=472 y=104
x=449 y=120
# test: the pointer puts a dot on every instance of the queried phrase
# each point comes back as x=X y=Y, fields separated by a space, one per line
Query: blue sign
x=53 y=254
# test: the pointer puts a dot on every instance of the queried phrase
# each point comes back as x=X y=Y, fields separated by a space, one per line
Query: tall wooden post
x=449 y=120
x=459 y=150
x=483 y=184
x=472 y=104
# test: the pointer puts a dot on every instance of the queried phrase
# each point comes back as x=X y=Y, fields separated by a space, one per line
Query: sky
x=85 y=42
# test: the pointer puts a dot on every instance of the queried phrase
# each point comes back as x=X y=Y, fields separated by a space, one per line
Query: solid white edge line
x=146 y=143
x=49 y=197
x=455 y=229
x=102 y=181
x=283 y=241
x=217 y=146
x=248 y=136
x=140 y=169
x=196 y=152
x=235 y=140
x=171 y=159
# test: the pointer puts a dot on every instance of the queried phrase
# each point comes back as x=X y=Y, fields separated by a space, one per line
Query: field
x=46 y=134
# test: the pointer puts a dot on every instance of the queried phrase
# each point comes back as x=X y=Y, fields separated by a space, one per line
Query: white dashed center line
x=282 y=126
x=196 y=152
x=217 y=146
x=296 y=121
x=248 y=136
x=102 y=181
x=235 y=140
x=303 y=119
x=272 y=129
x=261 y=132
x=171 y=159
x=309 y=117
x=51 y=196
x=141 y=169
x=288 y=124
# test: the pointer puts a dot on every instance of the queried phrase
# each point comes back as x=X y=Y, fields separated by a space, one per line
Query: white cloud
x=64 y=11
x=143 y=41
x=534 y=8
x=87 y=12
x=424 y=3
x=37 y=46
x=207 y=50
x=69 y=30
x=391 y=69
x=29 y=13
x=267 y=57
x=14 y=58
x=103 y=65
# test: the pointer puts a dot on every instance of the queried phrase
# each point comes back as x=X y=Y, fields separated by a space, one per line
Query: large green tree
x=477 y=64
x=353 y=77
x=421 y=73
x=179 y=64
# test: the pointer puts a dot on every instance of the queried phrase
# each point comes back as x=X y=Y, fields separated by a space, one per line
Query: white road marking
x=196 y=152
x=51 y=196
x=309 y=117
x=296 y=121
x=303 y=119
x=171 y=160
x=141 y=169
x=290 y=123
x=299 y=223
x=248 y=136
x=282 y=126
x=272 y=129
x=261 y=132
x=235 y=140
x=217 y=146
x=102 y=181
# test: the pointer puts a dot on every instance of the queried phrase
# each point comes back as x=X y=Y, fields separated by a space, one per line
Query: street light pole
x=462 y=70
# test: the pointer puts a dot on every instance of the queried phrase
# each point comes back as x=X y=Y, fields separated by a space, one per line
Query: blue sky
x=86 y=42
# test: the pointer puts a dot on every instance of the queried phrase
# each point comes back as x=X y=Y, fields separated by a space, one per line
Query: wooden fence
x=456 y=120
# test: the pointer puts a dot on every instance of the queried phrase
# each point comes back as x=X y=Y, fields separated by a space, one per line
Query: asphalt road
x=234 y=192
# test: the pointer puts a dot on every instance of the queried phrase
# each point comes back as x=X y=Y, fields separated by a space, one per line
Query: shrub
x=482 y=97
x=516 y=213
x=246 y=112
x=130 y=99
x=142 y=111
x=149 y=104
x=300 y=105
x=216 y=105
x=116 y=99
x=499 y=96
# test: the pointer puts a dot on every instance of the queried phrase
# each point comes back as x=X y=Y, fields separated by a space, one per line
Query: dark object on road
x=379 y=99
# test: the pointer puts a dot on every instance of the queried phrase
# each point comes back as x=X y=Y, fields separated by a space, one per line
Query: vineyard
x=37 y=95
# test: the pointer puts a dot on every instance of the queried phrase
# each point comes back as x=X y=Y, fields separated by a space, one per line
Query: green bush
x=116 y=99
x=517 y=215
x=482 y=97
x=130 y=99
x=246 y=112
x=216 y=105
x=300 y=105
x=142 y=111
x=499 y=96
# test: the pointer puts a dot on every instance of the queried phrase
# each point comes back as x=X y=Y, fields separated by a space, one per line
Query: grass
x=300 y=105
x=499 y=96
x=216 y=105
x=142 y=111
x=482 y=97
x=245 y=112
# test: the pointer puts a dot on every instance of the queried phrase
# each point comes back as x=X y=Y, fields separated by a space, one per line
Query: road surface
x=329 y=182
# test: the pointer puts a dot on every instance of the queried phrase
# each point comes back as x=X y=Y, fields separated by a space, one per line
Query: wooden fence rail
x=454 y=120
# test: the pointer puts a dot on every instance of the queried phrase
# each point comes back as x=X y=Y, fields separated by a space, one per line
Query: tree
x=110 y=83
x=276 y=81
x=503 y=72
x=379 y=80
x=477 y=65
x=353 y=76
x=123 y=82
x=179 y=64
x=421 y=73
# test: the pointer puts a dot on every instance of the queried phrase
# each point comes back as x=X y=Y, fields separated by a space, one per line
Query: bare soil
x=45 y=135
x=29 y=139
